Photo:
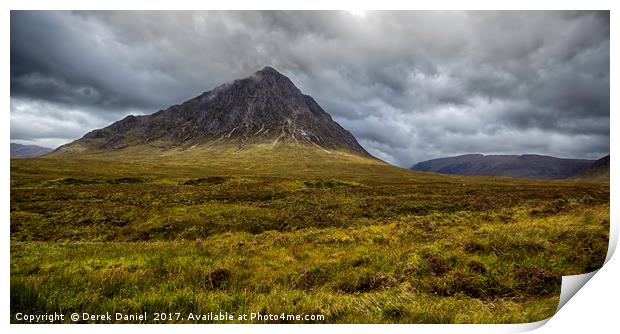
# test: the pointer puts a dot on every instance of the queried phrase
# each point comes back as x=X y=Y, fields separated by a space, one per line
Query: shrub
x=218 y=278
x=369 y=281
x=537 y=281
x=436 y=263
x=476 y=266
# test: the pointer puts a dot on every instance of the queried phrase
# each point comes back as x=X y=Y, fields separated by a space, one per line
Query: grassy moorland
x=294 y=230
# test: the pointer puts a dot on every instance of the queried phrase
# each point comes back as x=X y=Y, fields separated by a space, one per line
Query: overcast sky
x=410 y=86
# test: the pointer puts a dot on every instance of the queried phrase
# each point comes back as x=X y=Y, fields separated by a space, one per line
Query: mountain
x=265 y=108
x=28 y=151
x=529 y=166
x=598 y=171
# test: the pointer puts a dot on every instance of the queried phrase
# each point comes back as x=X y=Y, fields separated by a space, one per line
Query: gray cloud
x=409 y=85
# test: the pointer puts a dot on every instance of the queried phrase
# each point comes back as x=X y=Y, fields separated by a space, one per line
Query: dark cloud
x=409 y=85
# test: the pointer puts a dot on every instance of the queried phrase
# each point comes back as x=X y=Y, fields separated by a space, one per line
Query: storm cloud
x=409 y=85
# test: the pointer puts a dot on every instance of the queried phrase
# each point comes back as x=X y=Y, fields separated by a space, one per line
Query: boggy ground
x=295 y=231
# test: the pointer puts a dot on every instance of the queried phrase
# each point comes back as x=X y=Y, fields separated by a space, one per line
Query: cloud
x=50 y=124
x=409 y=85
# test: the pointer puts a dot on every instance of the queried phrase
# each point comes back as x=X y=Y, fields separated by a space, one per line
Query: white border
x=594 y=307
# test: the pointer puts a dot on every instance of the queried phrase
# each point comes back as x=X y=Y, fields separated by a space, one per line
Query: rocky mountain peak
x=268 y=70
x=265 y=107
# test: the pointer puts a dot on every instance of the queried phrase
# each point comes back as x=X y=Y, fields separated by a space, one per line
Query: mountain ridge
x=28 y=151
x=532 y=166
x=598 y=171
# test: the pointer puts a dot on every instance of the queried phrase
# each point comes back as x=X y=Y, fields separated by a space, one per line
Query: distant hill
x=529 y=166
x=598 y=171
x=28 y=151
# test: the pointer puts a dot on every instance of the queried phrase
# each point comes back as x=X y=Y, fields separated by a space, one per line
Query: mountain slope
x=264 y=108
x=521 y=166
x=598 y=171
x=28 y=151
